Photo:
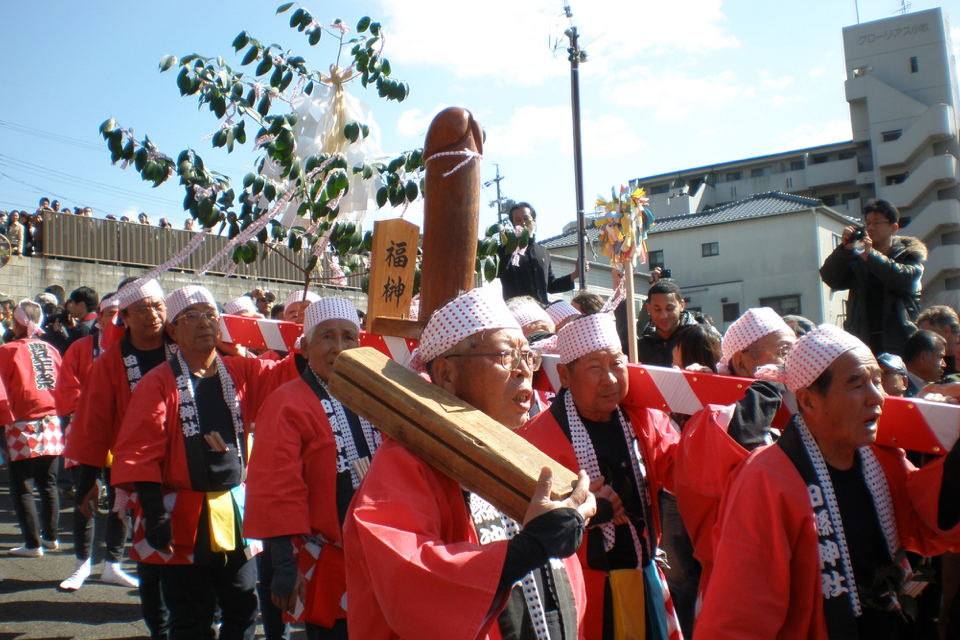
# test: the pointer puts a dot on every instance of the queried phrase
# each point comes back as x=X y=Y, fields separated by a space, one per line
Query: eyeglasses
x=510 y=359
x=149 y=310
x=192 y=318
x=781 y=350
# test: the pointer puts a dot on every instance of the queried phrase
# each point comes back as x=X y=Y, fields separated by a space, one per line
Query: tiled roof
x=756 y=206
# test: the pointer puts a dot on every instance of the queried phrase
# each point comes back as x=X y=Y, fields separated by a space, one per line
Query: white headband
x=33 y=328
x=138 y=290
x=747 y=329
x=587 y=334
x=329 y=309
x=811 y=356
x=182 y=298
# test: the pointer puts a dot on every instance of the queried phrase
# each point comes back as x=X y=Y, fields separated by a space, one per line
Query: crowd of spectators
x=24 y=229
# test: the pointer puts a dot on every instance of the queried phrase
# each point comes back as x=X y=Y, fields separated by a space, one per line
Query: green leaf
x=385 y=67
x=284 y=7
x=240 y=133
x=276 y=77
x=265 y=65
x=250 y=56
x=411 y=191
x=315 y=36
x=109 y=125
x=287 y=79
x=240 y=41
x=490 y=268
x=264 y=107
x=295 y=18
x=382 y=196
x=183 y=81
x=375 y=28
x=364 y=24
x=312 y=263
x=166 y=62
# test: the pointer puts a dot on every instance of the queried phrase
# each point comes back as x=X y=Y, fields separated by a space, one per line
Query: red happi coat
x=77 y=362
x=292 y=485
x=29 y=370
x=704 y=465
x=658 y=445
x=415 y=568
x=766 y=577
x=100 y=408
x=149 y=446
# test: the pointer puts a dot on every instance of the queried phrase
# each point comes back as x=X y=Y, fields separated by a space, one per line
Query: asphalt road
x=33 y=608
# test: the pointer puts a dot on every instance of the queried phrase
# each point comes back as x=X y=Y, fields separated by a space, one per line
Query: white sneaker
x=26 y=552
x=53 y=545
x=114 y=574
x=78 y=577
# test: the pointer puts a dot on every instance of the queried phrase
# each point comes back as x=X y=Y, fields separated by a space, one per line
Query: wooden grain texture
x=459 y=440
x=451 y=209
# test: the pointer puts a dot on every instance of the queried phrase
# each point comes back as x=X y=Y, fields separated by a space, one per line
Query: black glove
x=284 y=566
x=156 y=520
x=555 y=534
x=604 y=513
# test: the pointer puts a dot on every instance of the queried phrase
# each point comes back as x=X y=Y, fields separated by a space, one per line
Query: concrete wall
x=26 y=277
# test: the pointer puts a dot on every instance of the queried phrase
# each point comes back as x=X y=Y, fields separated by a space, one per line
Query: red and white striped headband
x=33 y=328
x=585 y=335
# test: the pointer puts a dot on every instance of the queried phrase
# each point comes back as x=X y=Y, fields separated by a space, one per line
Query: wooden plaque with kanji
x=393 y=262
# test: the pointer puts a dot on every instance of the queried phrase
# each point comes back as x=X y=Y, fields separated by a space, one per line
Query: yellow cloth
x=223 y=526
x=629 y=604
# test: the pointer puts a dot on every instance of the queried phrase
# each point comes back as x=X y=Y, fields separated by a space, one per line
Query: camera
x=859 y=233
x=666 y=273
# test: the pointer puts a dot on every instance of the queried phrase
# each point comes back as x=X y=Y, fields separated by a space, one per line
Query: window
x=829 y=201
x=734 y=175
x=847 y=197
x=784 y=305
x=760 y=172
x=709 y=249
x=819 y=159
x=904 y=221
x=733 y=192
x=890 y=136
x=846 y=155
x=951 y=283
x=731 y=311
x=896 y=179
x=655 y=259
x=914 y=65
x=789 y=183
x=658 y=188
x=950 y=237
x=797 y=165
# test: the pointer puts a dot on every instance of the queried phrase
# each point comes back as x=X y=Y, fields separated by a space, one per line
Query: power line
x=83 y=144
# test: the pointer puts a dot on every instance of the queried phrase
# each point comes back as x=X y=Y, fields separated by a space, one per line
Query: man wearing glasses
x=183 y=447
x=100 y=410
x=426 y=559
x=882 y=271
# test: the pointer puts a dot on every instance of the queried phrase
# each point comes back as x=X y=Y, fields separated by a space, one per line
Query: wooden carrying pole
x=460 y=441
x=631 y=312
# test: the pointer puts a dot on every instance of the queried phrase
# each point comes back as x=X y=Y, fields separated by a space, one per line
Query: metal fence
x=71 y=237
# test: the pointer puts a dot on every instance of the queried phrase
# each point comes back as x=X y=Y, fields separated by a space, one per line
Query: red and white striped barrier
x=907 y=423
x=280 y=335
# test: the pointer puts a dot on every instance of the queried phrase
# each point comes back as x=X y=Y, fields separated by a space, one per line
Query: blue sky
x=669 y=85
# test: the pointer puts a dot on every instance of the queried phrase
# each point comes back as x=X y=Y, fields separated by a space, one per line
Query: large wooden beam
x=462 y=442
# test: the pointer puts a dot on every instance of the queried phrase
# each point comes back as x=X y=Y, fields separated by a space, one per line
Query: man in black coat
x=882 y=272
x=533 y=276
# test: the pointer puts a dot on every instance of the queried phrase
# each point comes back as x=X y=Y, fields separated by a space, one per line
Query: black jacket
x=532 y=277
x=652 y=349
x=900 y=273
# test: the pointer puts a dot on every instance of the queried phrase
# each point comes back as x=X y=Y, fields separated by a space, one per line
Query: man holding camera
x=882 y=271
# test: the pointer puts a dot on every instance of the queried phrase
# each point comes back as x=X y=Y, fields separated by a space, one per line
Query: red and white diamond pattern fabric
x=184 y=297
x=748 y=328
x=35 y=438
x=586 y=335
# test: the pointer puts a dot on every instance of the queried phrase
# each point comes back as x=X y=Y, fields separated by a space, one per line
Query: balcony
x=937 y=172
x=828 y=173
x=934 y=216
x=942 y=258
x=937 y=124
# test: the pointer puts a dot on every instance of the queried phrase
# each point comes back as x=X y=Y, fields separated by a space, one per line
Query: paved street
x=33 y=608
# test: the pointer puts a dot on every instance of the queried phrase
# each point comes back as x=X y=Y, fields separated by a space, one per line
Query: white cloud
x=510 y=39
x=675 y=95
x=814 y=135
x=776 y=83
x=131 y=212
x=816 y=73
x=536 y=130
x=412 y=123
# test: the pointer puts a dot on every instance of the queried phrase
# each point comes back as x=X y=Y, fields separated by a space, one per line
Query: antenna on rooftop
x=904 y=7
x=500 y=212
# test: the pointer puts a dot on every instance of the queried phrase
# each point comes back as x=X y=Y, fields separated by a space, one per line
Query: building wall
x=765 y=257
x=26 y=277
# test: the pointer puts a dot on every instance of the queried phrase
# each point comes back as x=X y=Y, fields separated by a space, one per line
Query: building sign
x=393 y=262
